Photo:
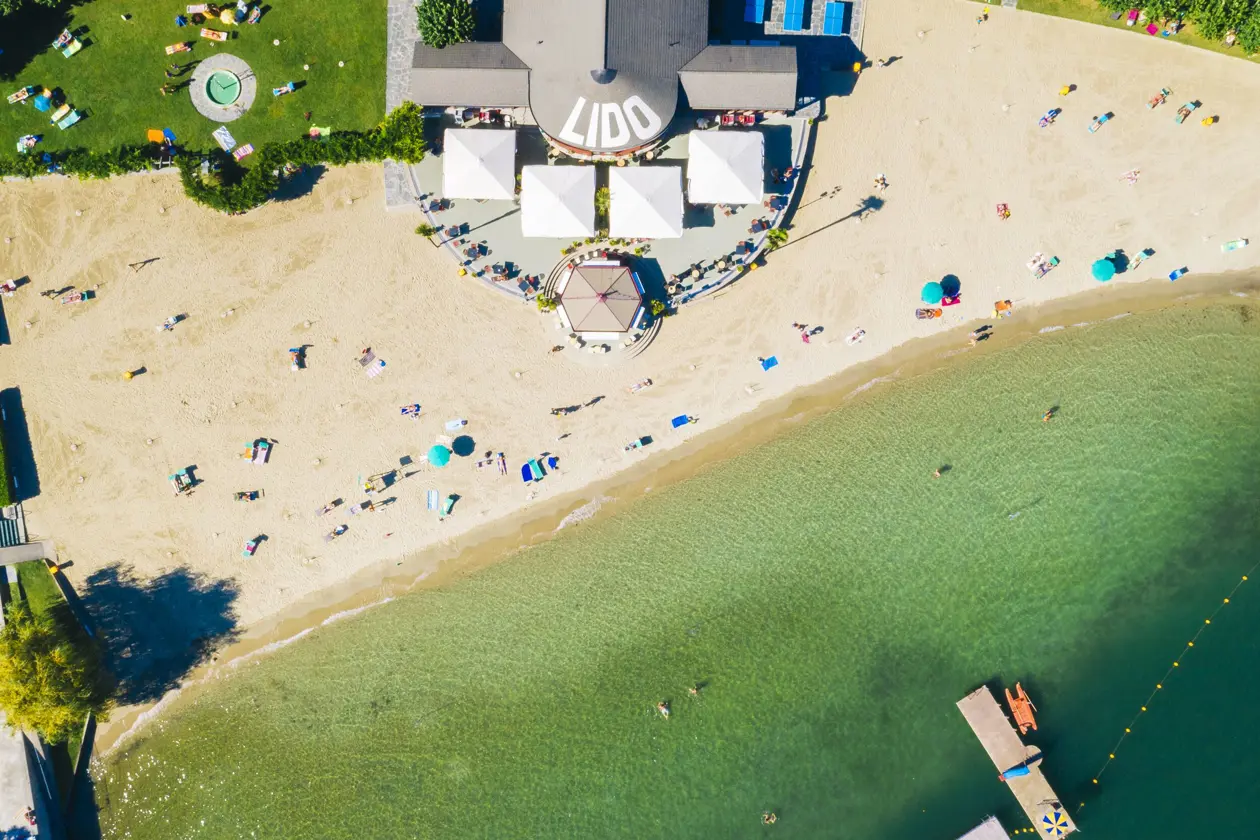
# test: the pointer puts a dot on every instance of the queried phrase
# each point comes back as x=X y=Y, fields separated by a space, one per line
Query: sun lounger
x=59 y=113
x=243 y=152
x=182 y=46
x=21 y=95
x=214 y=35
x=224 y=138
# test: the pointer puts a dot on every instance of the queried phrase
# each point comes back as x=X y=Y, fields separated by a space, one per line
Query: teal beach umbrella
x=932 y=293
x=1103 y=270
x=439 y=455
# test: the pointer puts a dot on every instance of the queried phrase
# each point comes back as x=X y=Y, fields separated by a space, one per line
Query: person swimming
x=769 y=818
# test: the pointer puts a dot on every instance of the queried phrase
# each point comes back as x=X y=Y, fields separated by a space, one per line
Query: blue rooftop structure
x=754 y=11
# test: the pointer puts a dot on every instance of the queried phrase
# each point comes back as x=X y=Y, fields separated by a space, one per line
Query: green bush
x=657 y=308
x=230 y=187
x=776 y=238
x=1211 y=18
x=6 y=486
x=445 y=22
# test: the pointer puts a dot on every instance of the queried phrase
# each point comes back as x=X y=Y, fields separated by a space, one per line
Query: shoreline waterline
x=456 y=559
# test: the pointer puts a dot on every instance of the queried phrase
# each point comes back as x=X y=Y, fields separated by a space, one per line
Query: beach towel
x=527 y=475
x=432 y=499
x=70 y=120
x=224 y=138
x=182 y=46
x=320 y=131
x=197 y=9
x=454 y=425
x=374 y=370
x=680 y=420
x=153 y=135
x=412 y=411
x=766 y=364
x=243 y=152
x=169 y=136
x=214 y=35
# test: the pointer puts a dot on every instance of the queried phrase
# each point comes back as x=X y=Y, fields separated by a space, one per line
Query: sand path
x=952 y=123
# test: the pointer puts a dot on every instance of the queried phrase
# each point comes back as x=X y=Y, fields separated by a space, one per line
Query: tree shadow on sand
x=157 y=630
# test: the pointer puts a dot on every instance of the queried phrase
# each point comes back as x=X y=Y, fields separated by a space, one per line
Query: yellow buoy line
x=1128 y=730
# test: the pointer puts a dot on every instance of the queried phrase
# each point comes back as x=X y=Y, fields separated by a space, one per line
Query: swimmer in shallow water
x=769 y=818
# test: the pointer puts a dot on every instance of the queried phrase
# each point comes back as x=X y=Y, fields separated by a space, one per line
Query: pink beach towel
x=1152 y=30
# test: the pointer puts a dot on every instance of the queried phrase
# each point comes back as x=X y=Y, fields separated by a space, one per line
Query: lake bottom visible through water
x=832 y=601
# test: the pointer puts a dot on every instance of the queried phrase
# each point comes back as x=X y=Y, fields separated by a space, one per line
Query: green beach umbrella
x=439 y=455
x=1103 y=270
x=932 y=293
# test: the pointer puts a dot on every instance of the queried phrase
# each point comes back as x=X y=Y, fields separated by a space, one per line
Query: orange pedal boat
x=1021 y=709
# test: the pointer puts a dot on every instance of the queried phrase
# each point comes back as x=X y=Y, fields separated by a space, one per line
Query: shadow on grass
x=28 y=32
x=157 y=630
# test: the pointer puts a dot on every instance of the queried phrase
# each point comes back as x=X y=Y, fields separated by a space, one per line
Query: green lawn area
x=39 y=587
x=1090 y=12
x=115 y=78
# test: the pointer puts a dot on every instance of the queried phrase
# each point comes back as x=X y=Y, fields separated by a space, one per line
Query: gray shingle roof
x=738 y=77
x=484 y=73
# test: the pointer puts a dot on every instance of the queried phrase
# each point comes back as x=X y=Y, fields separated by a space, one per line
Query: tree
x=51 y=676
x=444 y=22
x=426 y=230
x=602 y=199
x=1249 y=33
x=776 y=238
x=657 y=307
x=9 y=6
x=545 y=304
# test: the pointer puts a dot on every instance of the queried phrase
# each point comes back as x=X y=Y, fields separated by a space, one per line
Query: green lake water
x=835 y=601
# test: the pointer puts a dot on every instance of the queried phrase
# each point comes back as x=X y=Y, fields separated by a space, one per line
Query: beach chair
x=59 y=113
x=214 y=35
x=243 y=152
x=70 y=120
x=182 y=46
x=224 y=138
x=21 y=95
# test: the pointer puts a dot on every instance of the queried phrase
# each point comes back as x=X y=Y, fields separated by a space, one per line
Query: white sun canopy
x=558 y=201
x=725 y=167
x=646 y=202
x=479 y=163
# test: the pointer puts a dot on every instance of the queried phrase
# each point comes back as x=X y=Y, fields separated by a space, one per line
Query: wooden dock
x=1001 y=741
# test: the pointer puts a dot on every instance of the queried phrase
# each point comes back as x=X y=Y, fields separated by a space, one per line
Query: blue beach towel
x=766 y=364
x=680 y=420
x=432 y=500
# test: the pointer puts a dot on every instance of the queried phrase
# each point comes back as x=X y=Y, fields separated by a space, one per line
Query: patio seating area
x=486 y=240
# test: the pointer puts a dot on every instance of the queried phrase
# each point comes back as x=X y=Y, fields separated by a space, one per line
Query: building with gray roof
x=601 y=77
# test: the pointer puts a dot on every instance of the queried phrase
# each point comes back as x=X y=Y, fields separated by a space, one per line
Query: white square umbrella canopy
x=479 y=163
x=725 y=167
x=558 y=201
x=646 y=202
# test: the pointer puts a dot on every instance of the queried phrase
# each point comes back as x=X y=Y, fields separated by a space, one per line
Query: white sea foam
x=1121 y=315
x=871 y=384
x=583 y=513
x=1051 y=329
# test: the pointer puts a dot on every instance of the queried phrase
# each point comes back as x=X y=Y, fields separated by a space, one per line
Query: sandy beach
x=952 y=124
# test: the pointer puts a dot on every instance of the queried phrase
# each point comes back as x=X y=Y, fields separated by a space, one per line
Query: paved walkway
x=401 y=38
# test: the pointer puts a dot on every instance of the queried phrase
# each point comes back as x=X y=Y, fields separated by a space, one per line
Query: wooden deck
x=1005 y=748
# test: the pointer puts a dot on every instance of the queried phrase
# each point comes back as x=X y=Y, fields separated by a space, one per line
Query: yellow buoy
x=1176 y=664
x=1095 y=781
x=1227 y=600
x=1189 y=644
x=1207 y=621
x=1127 y=730
x=1144 y=708
x=1159 y=685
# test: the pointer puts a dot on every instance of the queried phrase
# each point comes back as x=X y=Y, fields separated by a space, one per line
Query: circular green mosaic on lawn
x=223 y=87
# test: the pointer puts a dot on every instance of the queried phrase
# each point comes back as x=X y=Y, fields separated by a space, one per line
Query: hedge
x=233 y=188
x=1213 y=19
x=6 y=485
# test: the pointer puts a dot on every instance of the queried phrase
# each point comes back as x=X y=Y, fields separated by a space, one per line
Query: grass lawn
x=1090 y=12
x=115 y=78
